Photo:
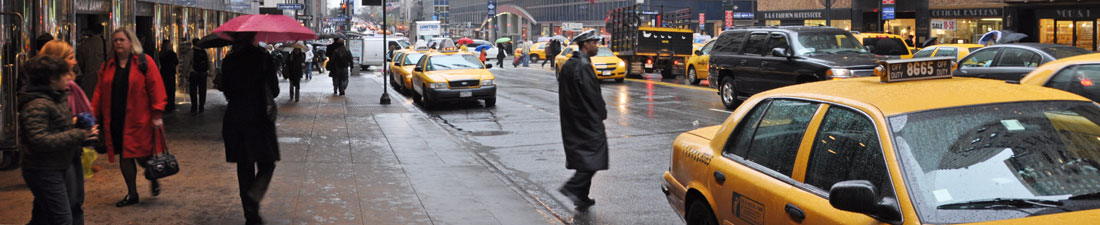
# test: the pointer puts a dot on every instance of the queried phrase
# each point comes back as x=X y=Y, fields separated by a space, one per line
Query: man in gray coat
x=583 y=111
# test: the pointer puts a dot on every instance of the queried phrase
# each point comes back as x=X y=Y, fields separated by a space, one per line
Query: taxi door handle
x=718 y=176
x=796 y=213
x=744 y=61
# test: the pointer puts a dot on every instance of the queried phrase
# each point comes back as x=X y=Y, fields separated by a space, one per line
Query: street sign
x=572 y=26
x=337 y=19
x=285 y=6
x=729 y=18
x=702 y=20
x=650 y=12
x=304 y=17
x=887 y=13
x=492 y=8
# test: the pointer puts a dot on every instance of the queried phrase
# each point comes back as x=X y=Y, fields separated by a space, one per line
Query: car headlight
x=438 y=85
x=622 y=64
x=834 y=74
x=488 y=82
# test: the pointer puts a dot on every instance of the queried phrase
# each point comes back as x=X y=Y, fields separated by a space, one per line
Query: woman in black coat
x=248 y=128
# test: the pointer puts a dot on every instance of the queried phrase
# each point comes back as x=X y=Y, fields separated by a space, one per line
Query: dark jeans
x=580 y=183
x=500 y=60
x=58 y=195
x=170 y=91
x=339 y=80
x=253 y=184
x=295 y=88
x=196 y=86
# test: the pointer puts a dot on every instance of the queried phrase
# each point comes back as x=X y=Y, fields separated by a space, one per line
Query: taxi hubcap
x=691 y=75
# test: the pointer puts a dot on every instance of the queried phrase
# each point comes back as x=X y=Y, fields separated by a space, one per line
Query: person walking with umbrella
x=501 y=53
x=552 y=51
x=339 y=62
x=583 y=111
x=250 y=86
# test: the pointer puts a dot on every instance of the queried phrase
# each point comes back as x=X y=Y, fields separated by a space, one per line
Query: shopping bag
x=88 y=160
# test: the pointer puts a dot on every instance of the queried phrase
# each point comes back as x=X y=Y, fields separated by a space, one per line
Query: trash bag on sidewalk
x=88 y=160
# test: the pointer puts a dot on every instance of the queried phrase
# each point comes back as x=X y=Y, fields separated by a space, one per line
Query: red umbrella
x=463 y=41
x=268 y=28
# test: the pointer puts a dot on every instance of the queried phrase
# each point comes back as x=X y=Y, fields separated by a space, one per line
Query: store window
x=1077 y=33
x=842 y=24
x=963 y=30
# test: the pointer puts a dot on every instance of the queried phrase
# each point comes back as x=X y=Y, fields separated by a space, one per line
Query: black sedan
x=1012 y=61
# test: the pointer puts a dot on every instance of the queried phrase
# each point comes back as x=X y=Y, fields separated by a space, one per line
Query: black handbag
x=162 y=165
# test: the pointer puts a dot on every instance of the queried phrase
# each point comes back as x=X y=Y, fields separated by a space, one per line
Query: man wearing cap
x=582 y=114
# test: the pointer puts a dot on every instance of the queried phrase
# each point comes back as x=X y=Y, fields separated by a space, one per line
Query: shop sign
x=285 y=6
x=572 y=26
x=990 y=12
x=943 y=24
x=814 y=14
x=729 y=18
x=887 y=13
x=887 y=2
x=742 y=15
x=1070 y=13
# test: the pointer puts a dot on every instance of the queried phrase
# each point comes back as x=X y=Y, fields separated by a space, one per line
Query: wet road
x=521 y=137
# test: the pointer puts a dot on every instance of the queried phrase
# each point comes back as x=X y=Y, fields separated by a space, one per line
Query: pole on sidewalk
x=386 y=77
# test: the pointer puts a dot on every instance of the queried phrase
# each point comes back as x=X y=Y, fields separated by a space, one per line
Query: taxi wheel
x=728 y=93
x=415 y=96
x=490 y=102
x=699 y=213
x=691 y=76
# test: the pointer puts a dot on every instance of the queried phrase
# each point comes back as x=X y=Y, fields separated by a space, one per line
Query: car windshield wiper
x=1002 y=203
x=1089 y=196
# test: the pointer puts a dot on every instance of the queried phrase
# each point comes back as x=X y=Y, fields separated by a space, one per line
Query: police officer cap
x=590 y=35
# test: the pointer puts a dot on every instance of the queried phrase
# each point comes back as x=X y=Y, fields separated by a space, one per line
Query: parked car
x=538 y=51
x=1011 y=62
x=605 y=63
x=747 y=61
x=949 y=50
x=1078 y=75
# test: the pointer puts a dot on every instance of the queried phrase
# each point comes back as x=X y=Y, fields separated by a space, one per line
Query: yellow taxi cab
x=607 y=65
x=933 y=151
x=889 y=45
x=401 y=70
x=1076 y=74
x=538 y=51
x=947 y=50
x=452 y=75
x=698 y=63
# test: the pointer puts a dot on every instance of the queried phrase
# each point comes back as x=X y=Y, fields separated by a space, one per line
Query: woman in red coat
x=130 y=110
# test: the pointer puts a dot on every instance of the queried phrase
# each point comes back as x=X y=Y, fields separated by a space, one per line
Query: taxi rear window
x=886 y=46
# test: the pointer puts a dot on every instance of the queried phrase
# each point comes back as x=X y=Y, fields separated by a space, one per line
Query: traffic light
x=343 y=5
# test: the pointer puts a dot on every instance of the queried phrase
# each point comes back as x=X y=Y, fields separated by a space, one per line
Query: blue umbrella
x=482 y=47
x=991 y=36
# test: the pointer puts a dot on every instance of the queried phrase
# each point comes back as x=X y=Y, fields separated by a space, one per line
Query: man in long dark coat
x=168 y=62
x=339 y=62
x=582 y=114
x=248 y=128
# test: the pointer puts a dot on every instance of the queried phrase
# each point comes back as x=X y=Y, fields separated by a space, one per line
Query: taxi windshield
x=454 y=62
x=812 y=43
x=1000 y=161
x=411 y=59
x=604 y=51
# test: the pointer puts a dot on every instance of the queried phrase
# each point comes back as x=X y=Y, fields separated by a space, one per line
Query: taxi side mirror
x=490 y=66
x=860 y=196
x=698 y=52
x=418 y=69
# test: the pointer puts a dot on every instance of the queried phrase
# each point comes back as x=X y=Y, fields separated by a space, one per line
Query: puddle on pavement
x=488 y=133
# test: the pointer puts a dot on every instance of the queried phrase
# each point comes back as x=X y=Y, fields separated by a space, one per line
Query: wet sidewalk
x=345 y=160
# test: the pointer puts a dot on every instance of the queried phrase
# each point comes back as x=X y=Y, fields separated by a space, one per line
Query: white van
x=374 y=52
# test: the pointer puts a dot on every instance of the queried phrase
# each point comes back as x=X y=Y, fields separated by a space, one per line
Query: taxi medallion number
x=916 y=69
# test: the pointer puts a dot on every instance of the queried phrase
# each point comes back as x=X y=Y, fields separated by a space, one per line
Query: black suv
x=746 y=61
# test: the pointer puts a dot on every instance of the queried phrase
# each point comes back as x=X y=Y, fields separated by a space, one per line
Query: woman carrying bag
x=130 y=99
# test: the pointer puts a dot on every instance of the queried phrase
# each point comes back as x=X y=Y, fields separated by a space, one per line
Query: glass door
x=1046 y=31
x=1085 y=29
x=1064 y=32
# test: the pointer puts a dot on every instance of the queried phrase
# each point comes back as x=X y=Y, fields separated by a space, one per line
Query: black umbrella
x=331 y=35
x=213 y=41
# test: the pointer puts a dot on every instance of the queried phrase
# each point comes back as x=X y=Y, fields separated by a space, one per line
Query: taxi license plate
x=465 y=94
x=606 y=73
x=648 y=66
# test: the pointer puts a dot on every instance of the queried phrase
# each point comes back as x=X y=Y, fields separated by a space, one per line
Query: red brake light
x=649 y=61
x=1086 y=82
x=881 y=36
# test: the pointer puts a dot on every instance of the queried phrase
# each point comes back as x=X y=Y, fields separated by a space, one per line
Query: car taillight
x=649 y=61
x=1086 y=82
